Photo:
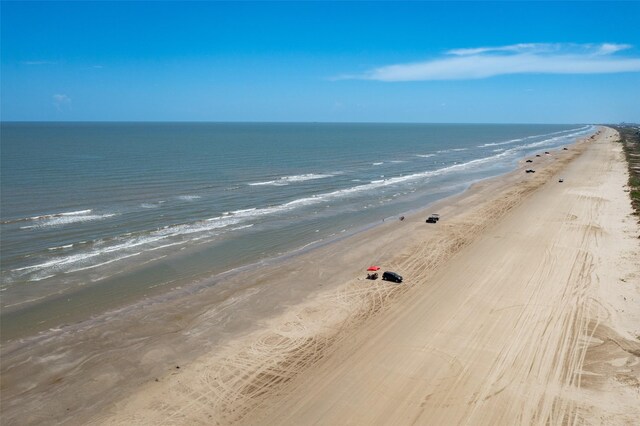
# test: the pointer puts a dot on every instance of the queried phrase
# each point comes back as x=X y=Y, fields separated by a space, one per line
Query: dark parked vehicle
x=529 y=161
x=391 y=276
x=530 y=171
x=433 y=218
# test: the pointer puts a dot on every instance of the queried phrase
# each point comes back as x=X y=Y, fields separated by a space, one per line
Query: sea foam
x=512 y=141
x=65 y=219
x=286 y=180
x=48 y=216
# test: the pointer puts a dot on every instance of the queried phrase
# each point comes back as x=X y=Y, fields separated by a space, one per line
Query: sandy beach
x=194 y=196
x=519 y=307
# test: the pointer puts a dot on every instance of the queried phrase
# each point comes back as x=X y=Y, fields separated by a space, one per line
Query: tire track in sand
x=245 y=377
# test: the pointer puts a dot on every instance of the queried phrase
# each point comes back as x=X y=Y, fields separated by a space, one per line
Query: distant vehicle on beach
x=560 y=180
x=530 y=171
x=529 y=161
x=391 y=276
x=433 y=218
x=565 y=149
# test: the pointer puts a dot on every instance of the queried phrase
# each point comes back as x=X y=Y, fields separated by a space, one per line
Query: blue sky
x=473 y=62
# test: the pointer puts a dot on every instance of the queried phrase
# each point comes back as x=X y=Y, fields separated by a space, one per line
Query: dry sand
x=520 y=306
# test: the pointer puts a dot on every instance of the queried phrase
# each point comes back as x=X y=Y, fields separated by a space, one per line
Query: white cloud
x=484 y=62
x=521 y=47
x=608 y=48
x=61 y=101
x=37 y=63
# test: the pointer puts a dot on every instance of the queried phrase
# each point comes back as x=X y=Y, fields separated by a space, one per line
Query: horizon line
x=282 y=122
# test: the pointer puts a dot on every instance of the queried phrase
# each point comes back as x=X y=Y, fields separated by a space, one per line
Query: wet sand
x=519 y=306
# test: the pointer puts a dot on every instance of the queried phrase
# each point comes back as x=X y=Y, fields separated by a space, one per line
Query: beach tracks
x=225 y=388
x=255 y=377
x=230 y=385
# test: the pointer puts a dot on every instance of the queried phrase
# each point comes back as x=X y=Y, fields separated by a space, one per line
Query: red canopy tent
x=373 y=268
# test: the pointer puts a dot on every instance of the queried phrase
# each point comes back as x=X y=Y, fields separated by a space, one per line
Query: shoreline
x=54 y=314
x=164 y=348
x=84 y=320
x=530 y=318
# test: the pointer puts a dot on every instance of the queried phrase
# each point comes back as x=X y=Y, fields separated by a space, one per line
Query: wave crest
x=286 y=180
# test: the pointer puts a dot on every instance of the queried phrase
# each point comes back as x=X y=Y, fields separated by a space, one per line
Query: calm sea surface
x=92 y=214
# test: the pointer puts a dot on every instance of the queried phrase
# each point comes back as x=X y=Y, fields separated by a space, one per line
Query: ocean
x=99 y=215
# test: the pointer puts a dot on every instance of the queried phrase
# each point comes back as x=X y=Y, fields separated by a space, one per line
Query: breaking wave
x=512 y=141
x=286 y=180
x=59 y=219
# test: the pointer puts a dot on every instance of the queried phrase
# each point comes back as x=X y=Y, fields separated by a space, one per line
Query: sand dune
x=519 y=307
